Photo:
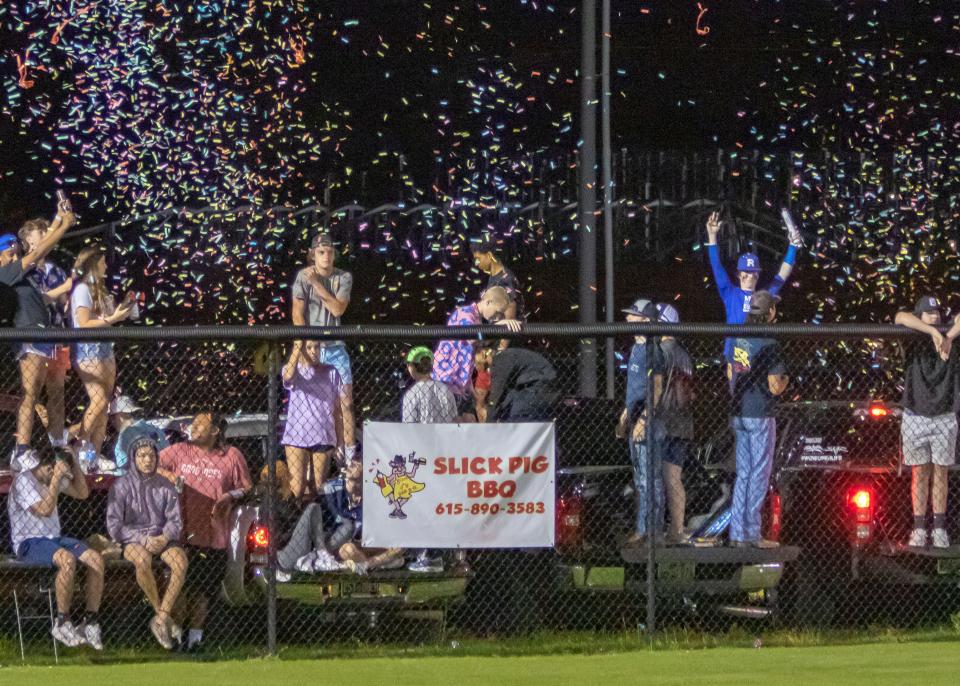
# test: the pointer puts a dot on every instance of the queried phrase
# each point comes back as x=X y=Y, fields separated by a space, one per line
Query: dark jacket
x=142 y=505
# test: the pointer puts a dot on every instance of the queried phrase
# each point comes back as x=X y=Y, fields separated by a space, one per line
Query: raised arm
x=713 y=251
x=912 y=321
x=290 y=368
x=790 y=259
x=50 y=239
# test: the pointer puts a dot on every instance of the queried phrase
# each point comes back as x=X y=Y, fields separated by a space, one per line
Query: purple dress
x=314 y=396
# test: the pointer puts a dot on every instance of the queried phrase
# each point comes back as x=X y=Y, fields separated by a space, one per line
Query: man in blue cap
x=736 y=300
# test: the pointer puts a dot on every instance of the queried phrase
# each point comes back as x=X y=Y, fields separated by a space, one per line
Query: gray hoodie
x=142 y=505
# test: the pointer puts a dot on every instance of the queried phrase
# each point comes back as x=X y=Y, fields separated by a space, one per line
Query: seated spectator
x=453 y=360
x=143 y=515
x=214 y=475
x=522 y=386
x=131 y=427
x=314 y=426
x=37 y=539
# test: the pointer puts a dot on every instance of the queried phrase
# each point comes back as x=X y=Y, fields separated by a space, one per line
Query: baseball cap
x=642 y=307
x=762 y=301
x=322 y=240
x=419 y=353
x=667 y=313
x=927 y=303
x=124 y=404
x=748 y=262
x=7 y=241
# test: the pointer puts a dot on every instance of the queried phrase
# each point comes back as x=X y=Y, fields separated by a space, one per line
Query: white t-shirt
x=25 y=492
x=81 y=297
x=429 y=402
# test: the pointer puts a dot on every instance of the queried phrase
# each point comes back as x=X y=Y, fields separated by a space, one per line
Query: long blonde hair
x=85 y=271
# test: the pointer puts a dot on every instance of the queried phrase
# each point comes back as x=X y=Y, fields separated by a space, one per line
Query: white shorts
x=929 y=439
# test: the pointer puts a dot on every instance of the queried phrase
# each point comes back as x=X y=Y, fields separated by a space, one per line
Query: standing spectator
x=673 y=398
x=453 y=360
x=30 y=310
x=482 y=360
x=929 y=424
x=55 y=285
x=92 y=306
x=143 y=515
x=758 y=377
x=426 y=402
x=736 y=300
x=632 y=425
x=314 y=426
x=130 y=426
x=35 y=530
x=485 y=257
x=522 y=386
x=321 y=295
x=214 y=475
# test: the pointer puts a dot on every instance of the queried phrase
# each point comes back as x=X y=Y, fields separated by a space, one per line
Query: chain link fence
x=214 y=486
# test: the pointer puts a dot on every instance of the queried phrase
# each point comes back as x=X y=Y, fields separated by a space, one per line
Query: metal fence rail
x=837 y=500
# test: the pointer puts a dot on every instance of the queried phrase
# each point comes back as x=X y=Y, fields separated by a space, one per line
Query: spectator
x=482 y=359
x=55 y=285
x=632 y=426
x=321 y=295
x=484 y=256
x=92 y=306
x=673 y=398
x=426 y=402
x=736 y=300
x=214 y=476
x=758 y=377
x=314 y=427
x=928 y=426
x=131 y=427
x=30 y=310
x=37 y=539
x=522 y=386
x=453 y=360
x=143 y=515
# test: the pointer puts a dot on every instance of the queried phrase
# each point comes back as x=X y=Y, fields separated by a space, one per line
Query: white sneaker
x=918 y=538
x=67 y=634
x=161 y=632
x=939 y=538
x=91 y=635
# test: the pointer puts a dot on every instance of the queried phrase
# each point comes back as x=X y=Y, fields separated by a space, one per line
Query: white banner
x=458 y=485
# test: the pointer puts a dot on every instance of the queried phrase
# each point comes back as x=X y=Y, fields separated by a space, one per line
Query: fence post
x=649 y=411
x=273 y=421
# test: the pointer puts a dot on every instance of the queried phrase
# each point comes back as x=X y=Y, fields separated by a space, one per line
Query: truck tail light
x=861 y=509
x=775 y=514
x=569 y=522
x=258 y=543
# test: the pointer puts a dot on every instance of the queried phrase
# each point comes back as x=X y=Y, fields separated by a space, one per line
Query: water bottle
x=88 y=458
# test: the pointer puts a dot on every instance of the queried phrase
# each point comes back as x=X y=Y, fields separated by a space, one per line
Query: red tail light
x=861 y=506
x=775 y=522
x=258 y=538
x=877 y=411
x=569 y=520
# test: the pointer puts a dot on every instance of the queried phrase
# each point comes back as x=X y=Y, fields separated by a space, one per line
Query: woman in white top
x=92 y=306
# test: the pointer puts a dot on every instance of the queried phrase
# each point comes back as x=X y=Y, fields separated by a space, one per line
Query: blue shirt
x=636 y=380
x=338 y=504
x=45 y=278
x=736 y=301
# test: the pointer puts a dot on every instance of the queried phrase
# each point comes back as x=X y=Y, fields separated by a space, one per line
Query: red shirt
x=207 y=475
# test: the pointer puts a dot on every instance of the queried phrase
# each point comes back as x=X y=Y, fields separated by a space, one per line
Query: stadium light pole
x=605 y=39
x=587 y=195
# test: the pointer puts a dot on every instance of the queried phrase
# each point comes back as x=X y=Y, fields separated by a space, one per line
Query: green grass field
x=902 y=664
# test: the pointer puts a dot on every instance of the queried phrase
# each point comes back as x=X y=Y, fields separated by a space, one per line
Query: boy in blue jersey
x=736 y=300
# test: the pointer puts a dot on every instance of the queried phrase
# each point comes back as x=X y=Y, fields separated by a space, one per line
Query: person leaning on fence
x=453 y=359
x=314 y=427
x=213 y=475
x=31 y=310
x=487 y=261
x=758 y=377
x=928 y=426
x=321 y=295
x=128 y=422
x=37 y=539
x=522 y=385
x=632 y=426
x=92 y=307
x=143 y=515
x=736 y=300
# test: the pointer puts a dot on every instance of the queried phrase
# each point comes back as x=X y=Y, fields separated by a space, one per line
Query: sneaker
x=67 y=634
x=358 y=568
x=175 y=631
x=425 y=565
x=91 y=636
x=161 y=632
x=283 y=577
x=918 y=538
x=939 y=538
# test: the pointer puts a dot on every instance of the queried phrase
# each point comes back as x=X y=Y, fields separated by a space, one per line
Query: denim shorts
x=40 y=551
x=336 y=356
x=89 y=352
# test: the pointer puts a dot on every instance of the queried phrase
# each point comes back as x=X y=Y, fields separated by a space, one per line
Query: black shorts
x=674 y=450
x=206 y=569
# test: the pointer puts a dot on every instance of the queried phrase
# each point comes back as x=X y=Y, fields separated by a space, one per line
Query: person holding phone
x=92 y=306
x=31 y=311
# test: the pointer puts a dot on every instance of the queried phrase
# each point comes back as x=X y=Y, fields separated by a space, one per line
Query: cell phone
x=63 y=200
